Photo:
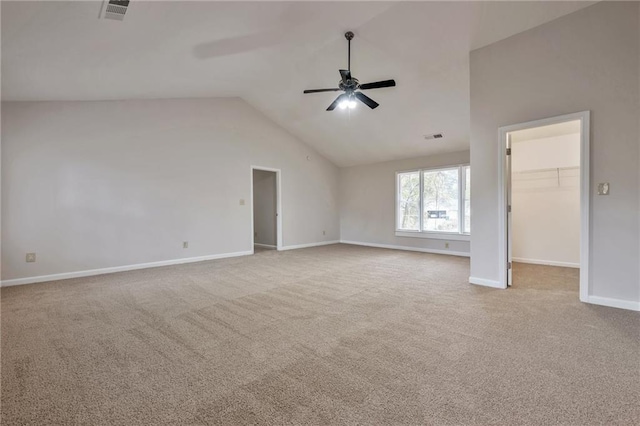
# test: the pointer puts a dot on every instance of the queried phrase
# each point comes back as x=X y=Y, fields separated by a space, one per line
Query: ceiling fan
x=350 y=87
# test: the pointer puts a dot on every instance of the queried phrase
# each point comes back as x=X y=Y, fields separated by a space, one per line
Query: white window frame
x=462 y=235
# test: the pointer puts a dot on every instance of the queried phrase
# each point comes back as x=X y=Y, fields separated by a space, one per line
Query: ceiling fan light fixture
x=347 y=103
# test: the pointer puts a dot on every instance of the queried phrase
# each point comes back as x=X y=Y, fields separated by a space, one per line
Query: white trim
x=421 y=200
x=546 y=262
x=278 y=204
x=267 y=246
x=405 y=248
x=301 y=246
x=584 y=118
x=461 y=204
x=509 y=215
x=585 y=200
x=614 y=303
x=434 y=235
x=485 y=283
x=443 y=167
x=102 y=271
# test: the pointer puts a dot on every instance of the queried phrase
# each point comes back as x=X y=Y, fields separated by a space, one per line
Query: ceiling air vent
x=434 y=136
x=116 y=9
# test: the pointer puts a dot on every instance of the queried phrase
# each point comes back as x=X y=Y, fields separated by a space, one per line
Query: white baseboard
x=546 y=262
x=267 y=246
x=92 y=272
x=420 y=249
x=614 y=303
x=485 y=282
x=299 y=246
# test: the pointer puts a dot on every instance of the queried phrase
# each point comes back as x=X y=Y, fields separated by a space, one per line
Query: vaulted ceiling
x=268 y=53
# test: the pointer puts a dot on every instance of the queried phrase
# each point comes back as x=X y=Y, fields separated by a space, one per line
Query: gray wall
x=264 y=208
x=368 y=199
x=588 y=60
x=90 y=185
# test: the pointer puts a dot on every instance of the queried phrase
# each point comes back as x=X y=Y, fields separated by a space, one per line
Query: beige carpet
x=331 y=335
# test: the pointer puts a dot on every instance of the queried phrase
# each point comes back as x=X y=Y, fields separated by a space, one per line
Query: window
x=409 y=201
x=434 y=200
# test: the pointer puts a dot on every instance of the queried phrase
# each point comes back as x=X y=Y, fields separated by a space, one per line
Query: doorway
x=265 y=209
x=544 y=199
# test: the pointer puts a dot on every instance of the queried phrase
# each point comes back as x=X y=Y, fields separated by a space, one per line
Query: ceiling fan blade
x=335 y=103
x=320 y=90
x=378 y=84
x=366 y=100
x=346 y=75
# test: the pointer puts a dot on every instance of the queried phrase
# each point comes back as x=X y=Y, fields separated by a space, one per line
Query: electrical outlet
x=31 y=257
x=446 y=245
x=185 y=244
x=242 y=202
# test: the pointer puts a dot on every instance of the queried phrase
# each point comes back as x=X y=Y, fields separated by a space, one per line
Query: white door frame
x=278 y=206
x=503 y=254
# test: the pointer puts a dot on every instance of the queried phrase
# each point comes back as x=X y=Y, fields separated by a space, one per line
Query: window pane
x=467 y=200
x=409 y=201
x=441 y=200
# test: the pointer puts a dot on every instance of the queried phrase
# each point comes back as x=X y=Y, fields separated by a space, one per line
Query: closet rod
x=555 y=169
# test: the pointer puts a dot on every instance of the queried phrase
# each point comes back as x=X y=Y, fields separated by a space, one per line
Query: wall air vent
x=116 y=9
x=434 y=136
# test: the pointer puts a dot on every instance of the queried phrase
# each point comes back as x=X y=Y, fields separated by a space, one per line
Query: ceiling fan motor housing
x=351 y=85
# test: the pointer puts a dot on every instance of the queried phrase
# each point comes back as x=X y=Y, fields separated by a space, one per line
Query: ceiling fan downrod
x=349 y=35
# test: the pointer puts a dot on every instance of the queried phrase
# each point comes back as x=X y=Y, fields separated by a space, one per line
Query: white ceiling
x=268 y=53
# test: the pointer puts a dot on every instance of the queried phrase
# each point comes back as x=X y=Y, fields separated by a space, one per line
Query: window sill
x=434 y=235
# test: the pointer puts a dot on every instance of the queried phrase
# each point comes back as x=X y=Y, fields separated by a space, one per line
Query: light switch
x=603 y=188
